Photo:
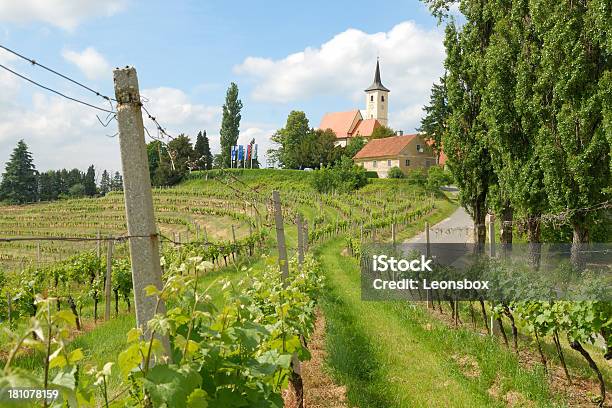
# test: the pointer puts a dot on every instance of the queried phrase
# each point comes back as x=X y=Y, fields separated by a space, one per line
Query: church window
x=371 y=98
x=382 y=98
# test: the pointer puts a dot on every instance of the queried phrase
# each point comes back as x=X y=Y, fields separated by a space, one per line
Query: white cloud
x=90 y=62
x=411 y=60
x=67 y=14
x=62 y=134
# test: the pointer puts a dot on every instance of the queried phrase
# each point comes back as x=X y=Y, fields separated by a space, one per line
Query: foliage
x=248 y=343
x=230 y=123
x=89 y=182
x=395 y=173
x=434 y=124
x=117 y=182
x=381 y=132
x=417 y=177
x=105 y=183
x=438 y=177
x=202 y=155
x=344 y=177
x=19 y=184
x=354 y=145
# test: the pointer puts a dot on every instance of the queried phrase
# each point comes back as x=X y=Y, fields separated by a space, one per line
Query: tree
x=77 y=190
x=117 y=182
x=354 y=145
x=89 y=182
x=572 y=97
x=381 y=132
x=435 y=122
x=181 y=151
x=105 y=183
x=19 y=181
x=289 y=140
x=230 y=123
x=465 y=141
x=202 y=155
x=395 y=173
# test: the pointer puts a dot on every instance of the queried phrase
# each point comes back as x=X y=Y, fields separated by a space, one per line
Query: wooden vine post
x=140 y=216
x=296 y=375
x=300 y=231
x=107 y=281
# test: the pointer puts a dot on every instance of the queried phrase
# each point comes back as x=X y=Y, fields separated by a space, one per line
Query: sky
x=316 y=56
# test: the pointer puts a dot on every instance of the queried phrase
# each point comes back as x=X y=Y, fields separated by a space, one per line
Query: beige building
x=408 y=152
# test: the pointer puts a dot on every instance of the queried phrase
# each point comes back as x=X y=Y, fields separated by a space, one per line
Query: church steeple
x=377 y=99
x=377 y=84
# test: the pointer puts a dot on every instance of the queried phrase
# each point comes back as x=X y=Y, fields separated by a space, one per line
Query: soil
x=320 y=391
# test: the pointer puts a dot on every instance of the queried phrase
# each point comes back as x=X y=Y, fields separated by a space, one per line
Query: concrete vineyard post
x=280 y=235
x=140 y=217
x=107 y=282
x=305 y=236
x=299 y=221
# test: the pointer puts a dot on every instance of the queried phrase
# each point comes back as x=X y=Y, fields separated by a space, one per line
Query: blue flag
x=233 y=153
x=240 y=152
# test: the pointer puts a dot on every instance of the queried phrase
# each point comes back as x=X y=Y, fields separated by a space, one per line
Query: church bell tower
x=377 y=99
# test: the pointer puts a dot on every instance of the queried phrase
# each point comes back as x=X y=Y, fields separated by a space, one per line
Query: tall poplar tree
x=89 y=182
x=573 y=98
x=230 y=123
x=19 y=181
x=465 y=144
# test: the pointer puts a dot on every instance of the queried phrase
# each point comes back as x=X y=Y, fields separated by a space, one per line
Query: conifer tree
x=19 y=181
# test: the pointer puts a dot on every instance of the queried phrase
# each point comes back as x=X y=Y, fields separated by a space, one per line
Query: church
x=352 y=123
x=407 y=152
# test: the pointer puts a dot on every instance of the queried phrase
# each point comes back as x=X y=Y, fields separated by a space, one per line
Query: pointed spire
x=377 y=84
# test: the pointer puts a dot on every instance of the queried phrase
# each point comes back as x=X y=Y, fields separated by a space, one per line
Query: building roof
x=366 y=127
x=342 y=123
x=388 y=146
x=377 y=84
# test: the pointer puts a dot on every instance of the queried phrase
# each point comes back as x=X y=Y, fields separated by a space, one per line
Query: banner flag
x=240 y=152
x=233 y=153
x=248 y=156
x=255 y=155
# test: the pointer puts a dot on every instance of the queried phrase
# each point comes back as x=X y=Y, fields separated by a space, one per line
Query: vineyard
x=57 y=285
x=237 y=329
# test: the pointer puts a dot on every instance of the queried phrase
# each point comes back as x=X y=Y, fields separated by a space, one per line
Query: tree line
x=524 y=114
x=22 y=183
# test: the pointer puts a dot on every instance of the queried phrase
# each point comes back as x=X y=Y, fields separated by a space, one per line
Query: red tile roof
x=342 y=123
x=388 y=146
x=366 y=127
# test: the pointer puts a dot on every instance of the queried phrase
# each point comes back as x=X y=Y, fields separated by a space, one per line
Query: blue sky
x=315 y=56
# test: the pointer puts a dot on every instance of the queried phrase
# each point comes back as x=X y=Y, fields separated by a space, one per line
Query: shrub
x=371 y=174
x=438 y=177
x=344 y=177
x=395 y=173
x=417 y=177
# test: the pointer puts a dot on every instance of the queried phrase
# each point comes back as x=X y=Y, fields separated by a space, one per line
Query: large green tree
x=19 y=181
x=89 y=182
x=381 y=132
x=230 y=123
x=289 y=139
x=181 y=152
x=465 y=144
x=573 y=98
x=105 y=183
